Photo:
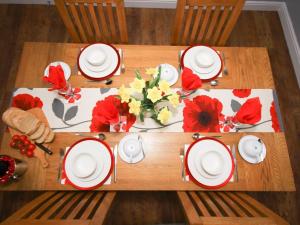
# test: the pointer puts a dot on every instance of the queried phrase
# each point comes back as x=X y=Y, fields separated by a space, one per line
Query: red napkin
x=250 y=112
x=56 y=77
x=189 y=80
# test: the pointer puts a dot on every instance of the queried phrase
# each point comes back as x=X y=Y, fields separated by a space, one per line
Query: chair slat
x=199 y=203
x=80 y=204
x=213 y=22
x=196 y=24
x=235 y=207
x=103 y=23
x=94 y=21
x=210 y=203
x=222 y=204
x=77 y=22
x=178 y=22
x=94 y=202
x=122 y=22
x=187 y=24
x=220 y=24
x=204 y=24
x=86 y=22
x=111 y=22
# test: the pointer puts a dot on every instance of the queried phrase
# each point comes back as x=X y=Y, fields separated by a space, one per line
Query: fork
x=182 y=164
x=179 y=62
x=225 y=70
x=61 y=156
x=122 y=64
x=115 y=169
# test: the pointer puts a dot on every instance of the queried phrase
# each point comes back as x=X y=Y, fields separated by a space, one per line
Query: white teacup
x=204 y=60
x=212 y=163
x=253 y=148
x=96 y=57
x=84 y=165
x=132 y=148
x=166 y=73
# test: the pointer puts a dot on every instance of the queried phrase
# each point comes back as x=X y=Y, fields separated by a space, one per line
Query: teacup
x=166 y=73
x=84 y=165
x=96 y=57
x=204 y=60
x=253 y=147
x=132 y=148
x=212 y=163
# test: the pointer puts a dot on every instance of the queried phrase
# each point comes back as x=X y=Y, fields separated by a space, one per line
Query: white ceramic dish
x=130 y=142
x=245 y=155
x=66 y=68
x=169 y=73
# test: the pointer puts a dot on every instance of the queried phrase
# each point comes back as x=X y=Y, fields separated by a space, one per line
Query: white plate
x=99 y=152
x=245 y=156
x=203 y=73
x=91 y=67
x=206 y=145
x=123 y=155
x=66 y=68
x=112 y=57
x=169 y=73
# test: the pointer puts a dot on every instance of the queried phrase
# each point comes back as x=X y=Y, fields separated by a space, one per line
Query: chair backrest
x=72 y=207
x=94 y=20
x=207 y=22
x=226 y=208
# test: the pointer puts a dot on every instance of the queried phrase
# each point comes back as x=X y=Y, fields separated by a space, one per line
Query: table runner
x=77 y=117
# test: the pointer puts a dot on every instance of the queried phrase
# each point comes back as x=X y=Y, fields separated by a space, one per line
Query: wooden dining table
x=248 y=67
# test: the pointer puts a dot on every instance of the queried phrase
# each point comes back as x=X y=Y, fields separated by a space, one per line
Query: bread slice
x=50 y=137
x=9 y=114
x=26 y=122
x=39 y=132
x=44 y=136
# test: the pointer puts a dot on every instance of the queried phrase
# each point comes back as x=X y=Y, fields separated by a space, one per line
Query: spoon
x=214 y=83
x=101 y=136
x=196 y=136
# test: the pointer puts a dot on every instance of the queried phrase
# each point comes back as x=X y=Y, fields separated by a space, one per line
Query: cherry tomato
x=20 y=145
x=29 y=153
x=31 y=147
x=26 y=143
x=23 y=137
x=23 y=151
x=12 y=144
x=16 y=137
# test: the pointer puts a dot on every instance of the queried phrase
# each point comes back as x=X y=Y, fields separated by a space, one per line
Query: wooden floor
x=152 y=26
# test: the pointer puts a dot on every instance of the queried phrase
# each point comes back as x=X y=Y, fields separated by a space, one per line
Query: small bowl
x=212 y=163
x=84 y=166
x=204 y=60
x=253 y=148
x=96 y=57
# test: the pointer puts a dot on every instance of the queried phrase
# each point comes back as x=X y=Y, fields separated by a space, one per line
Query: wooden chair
x=70 y=207
x=226 y=208
x=94 y=20
x=207 y=22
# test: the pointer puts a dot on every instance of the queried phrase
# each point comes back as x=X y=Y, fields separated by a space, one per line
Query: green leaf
x=138 y=74
x=142 y=116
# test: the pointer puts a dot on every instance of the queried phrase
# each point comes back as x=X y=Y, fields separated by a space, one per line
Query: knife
x=115 y=156
x=235 y=162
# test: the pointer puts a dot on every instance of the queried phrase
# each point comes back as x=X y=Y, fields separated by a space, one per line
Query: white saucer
x=104 y=70
x=66 y=68
x=201 y=147
x=203 y=72
x=99 y=152
x=169 y=73
x=122 y=153
x=245 y=156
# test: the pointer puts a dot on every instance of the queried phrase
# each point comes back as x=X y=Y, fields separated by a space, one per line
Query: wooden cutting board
x=38 y=153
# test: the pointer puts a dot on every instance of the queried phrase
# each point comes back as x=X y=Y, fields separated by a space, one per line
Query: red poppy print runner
x=100 y=110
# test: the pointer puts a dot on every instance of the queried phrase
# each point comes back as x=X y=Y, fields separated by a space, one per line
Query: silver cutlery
x=101 y=136
x=196 y=136
x=115 y=156
x=61 y=157
x=107 y=82
x=141 y=144
x=179 y=62
x=260 y=156
x=214 y=83
x=182 y=164
x=225 y=71
x=233 y=150
x=122 y=63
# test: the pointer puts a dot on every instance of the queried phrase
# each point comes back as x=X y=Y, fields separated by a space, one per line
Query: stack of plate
x=98 y=61
x=209 y=163
x=88 y=163
x=203 y=60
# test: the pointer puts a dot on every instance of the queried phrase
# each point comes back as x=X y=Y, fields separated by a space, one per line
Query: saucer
x=66 y=68
x=133 y=140
x=245 y=156
x=169 y=73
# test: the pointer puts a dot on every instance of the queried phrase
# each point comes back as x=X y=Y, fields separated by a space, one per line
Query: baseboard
x=280 y=7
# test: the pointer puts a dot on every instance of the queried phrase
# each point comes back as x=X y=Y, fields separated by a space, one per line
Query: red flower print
x=226 y=123
x=275 y=123
x=74 y=96
x=202 y=114
x=190 y=81
x=26 y=102
x=241 y=93
x=250 y=112
x=109 y=111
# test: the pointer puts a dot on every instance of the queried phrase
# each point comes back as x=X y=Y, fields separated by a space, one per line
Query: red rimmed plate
x=111 y=53
x=209 y=73
x=195 y=153
x=102 y=155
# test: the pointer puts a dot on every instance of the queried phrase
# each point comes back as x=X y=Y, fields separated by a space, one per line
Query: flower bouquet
x=153 y=98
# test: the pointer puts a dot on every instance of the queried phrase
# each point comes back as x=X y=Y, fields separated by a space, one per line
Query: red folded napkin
x=189 y=80
x=56 y=78
x=250 y=112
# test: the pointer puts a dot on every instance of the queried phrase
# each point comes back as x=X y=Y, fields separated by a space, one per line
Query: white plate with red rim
x=203 y=61
x=98 y=61
x=88 y=163
x=209 y=163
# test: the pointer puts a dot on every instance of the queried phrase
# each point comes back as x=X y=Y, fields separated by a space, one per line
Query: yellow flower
x=124 y=93
x=134 y=106
x=164 y=115
x=174 y=99
x=154 y=94
x=152 y=71
x=164 y=86
x=138 y=85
